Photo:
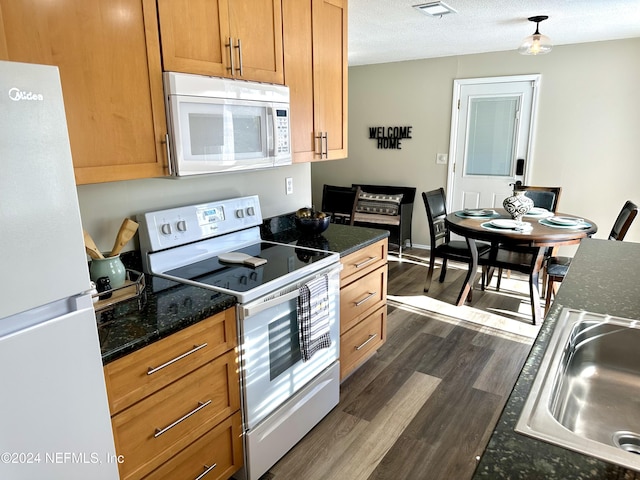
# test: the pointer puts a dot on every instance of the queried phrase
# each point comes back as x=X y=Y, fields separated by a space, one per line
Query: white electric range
x=217 y=245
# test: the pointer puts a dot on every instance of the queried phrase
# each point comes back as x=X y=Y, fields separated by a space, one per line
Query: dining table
x=538 y=232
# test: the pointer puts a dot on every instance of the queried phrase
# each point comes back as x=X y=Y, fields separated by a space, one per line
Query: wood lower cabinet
x=209 y=37
x=176 y=404
x=216 y=455
x=109 y=61
x=363 y=305
x=315 y=64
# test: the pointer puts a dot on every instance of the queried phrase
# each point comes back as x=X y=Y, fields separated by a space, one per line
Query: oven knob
x=181 y=225
x=251 y=211
x=240 y=213
x=165 y=228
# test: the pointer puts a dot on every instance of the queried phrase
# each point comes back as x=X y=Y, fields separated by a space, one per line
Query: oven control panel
x=173 y=227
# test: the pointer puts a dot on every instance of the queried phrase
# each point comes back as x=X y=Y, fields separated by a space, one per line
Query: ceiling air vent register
x=435 y=9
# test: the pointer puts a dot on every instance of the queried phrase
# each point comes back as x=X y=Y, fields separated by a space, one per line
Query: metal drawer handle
x=182 y=419
x=366 y=262
x=371 y=337
x=153 y=370
x=366 y=299
x=207 y=470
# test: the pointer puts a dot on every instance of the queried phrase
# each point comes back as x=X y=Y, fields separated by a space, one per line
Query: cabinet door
x=315 y=56
x=298 y=61
x=258 y=25
x=214 y=456
x=362 y=341
x=330 y=74
x=109 y=62
x=195 y=36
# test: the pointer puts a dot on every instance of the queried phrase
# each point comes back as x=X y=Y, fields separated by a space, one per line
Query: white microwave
x=220 y=125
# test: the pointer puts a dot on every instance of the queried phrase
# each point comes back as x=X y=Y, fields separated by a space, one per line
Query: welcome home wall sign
x=389 y=137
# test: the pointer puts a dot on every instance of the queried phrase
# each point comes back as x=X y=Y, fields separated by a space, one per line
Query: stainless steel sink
x=586 y=394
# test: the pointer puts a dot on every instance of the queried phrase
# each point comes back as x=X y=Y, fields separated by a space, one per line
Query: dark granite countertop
x=155 y=314
x=165 y=307
x=344 y=239
x=603 y=279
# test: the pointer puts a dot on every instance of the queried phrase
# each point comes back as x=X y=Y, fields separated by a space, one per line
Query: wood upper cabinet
x=209 y=37
x=109 y=61
x=315 y=60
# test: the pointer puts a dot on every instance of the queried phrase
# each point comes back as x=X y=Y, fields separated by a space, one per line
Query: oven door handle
x=250 y=310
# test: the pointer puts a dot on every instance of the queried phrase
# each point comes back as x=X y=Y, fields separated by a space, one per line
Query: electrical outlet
x=441 y=158
x=289 y=185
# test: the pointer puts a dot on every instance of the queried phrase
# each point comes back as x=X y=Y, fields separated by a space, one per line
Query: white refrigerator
x=54 y=414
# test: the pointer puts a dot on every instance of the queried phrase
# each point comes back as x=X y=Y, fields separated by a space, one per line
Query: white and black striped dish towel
x=313 y=316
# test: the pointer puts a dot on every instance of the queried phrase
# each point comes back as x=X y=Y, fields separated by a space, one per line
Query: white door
x=492 y=124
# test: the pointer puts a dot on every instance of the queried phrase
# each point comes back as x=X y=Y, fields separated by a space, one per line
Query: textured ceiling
x=382 y=31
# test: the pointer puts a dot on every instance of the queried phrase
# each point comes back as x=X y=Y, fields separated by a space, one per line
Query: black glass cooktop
x=281 y=260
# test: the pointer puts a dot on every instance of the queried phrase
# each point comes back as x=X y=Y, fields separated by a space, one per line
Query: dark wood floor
x=425 y=405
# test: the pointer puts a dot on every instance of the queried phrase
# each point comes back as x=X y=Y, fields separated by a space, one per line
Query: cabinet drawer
x=362 y=341
x=360 y=298
x=218 y=452
x=141 y=373
x=156 y=428
x=363 y=261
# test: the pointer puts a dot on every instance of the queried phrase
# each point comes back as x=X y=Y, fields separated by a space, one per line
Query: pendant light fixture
x=536 y=44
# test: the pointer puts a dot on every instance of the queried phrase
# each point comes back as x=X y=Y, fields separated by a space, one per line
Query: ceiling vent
x=435 y=9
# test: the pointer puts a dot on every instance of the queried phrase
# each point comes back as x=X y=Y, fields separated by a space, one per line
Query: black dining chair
x=339 y=202
x=441 y=244
x=543 y=197
x=557 y=267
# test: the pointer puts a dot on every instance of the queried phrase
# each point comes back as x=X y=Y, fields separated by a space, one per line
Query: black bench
x=399 y=226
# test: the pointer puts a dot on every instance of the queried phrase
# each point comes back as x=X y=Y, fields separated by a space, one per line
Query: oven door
x=272 y=364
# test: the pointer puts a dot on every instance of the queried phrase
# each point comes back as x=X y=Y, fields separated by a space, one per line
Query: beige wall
x=103 y=206
x=586 y=139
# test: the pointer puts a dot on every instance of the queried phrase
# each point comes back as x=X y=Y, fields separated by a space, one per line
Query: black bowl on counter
x=311 y=222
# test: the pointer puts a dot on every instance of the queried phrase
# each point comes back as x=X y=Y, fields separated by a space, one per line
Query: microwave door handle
x=251 y=310
x=271 y=128
x=167 y=147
